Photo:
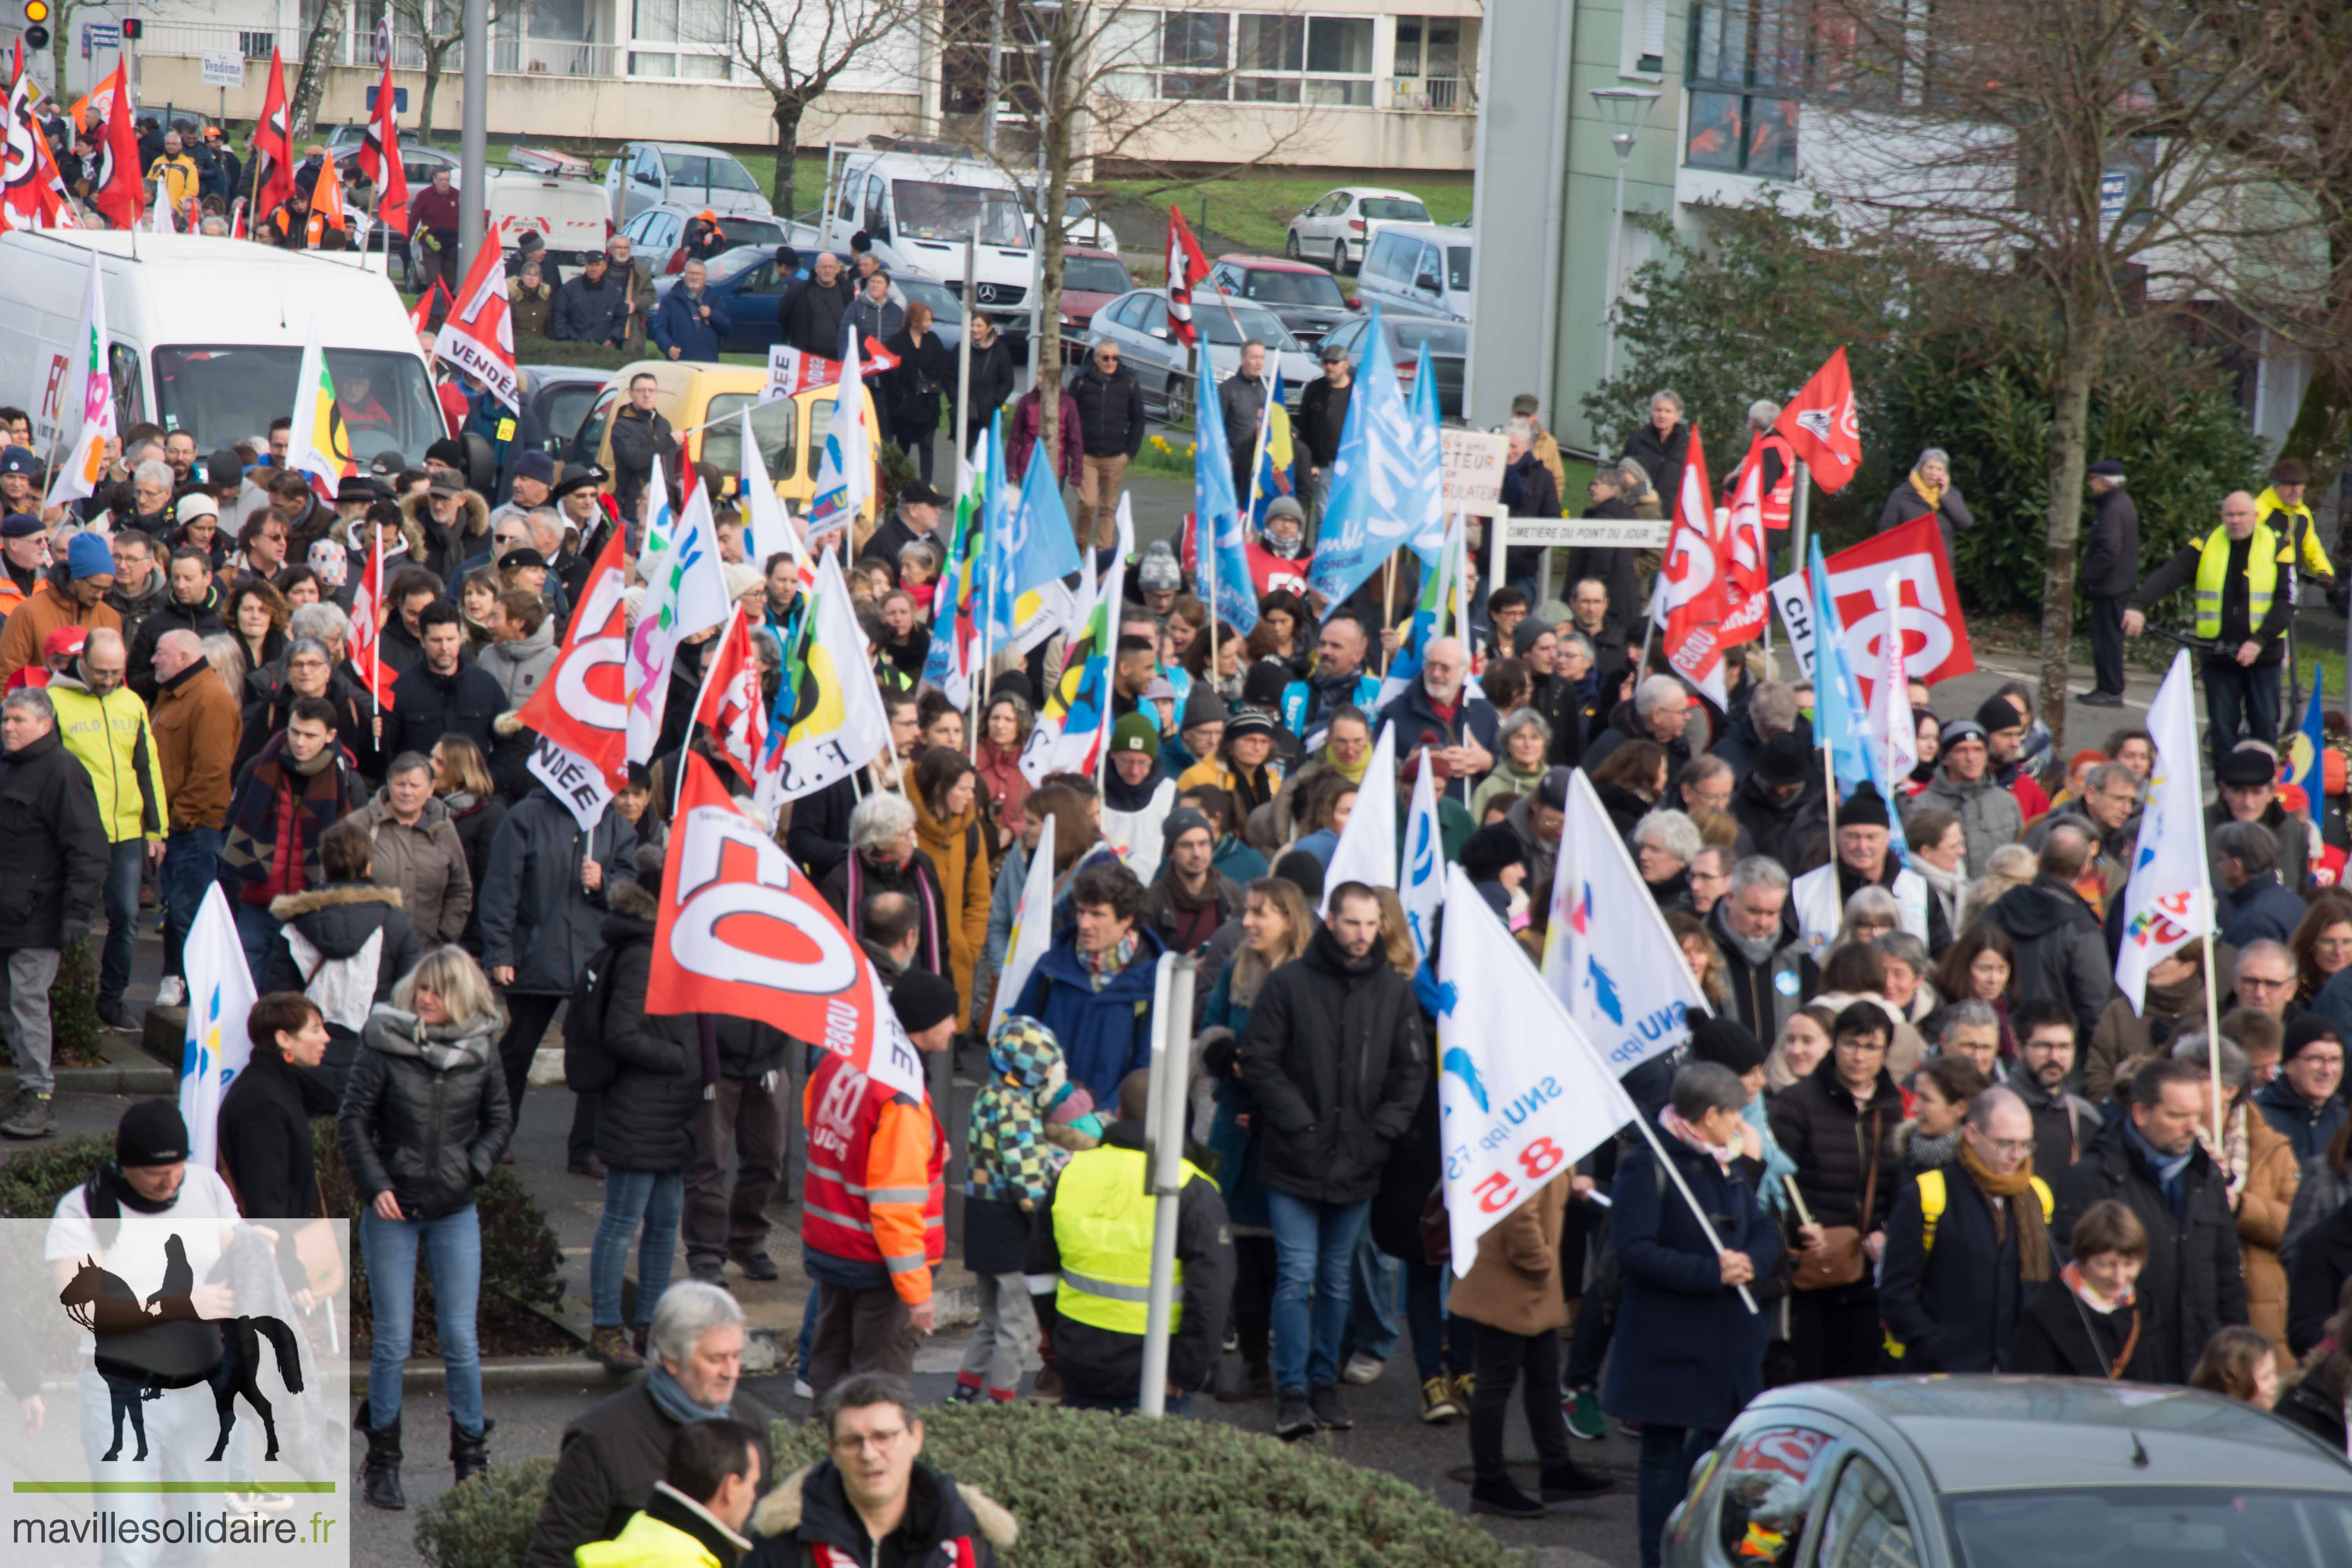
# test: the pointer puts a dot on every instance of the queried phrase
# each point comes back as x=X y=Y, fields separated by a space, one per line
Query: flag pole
x=1658 y=1152
x=694 y=715
x=1796 y=514
x=1829 y=778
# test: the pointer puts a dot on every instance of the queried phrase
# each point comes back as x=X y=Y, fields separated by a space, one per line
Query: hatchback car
x=2018 y=1472
x=1091 y=279
x=748 y=281
x=1338 y=225
x=1302 y=294
x=559 y=397
x=649 y=174
x=655 y=232
x=1138 y=323
x=1449 y=350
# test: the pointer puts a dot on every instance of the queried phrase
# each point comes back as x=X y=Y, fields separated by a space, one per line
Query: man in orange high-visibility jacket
x=873 y=1223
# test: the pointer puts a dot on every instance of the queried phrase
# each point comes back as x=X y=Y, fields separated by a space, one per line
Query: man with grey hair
x=1435 y=713
x=2265 y=981
x=2108 y=810
x=2254 y=903
x=1658 y=711
x=152 y=484
x=1952 y=1303
x=883 y=859
x=53 y=843
x=609 y=1458
x=1771 y=710
x=2109 y=572
x=324 y=621
x=1761 y=951
x=1529 y=490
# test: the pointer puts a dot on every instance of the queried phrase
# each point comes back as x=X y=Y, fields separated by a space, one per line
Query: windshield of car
x=772 y=428
x=1458 y=267
x=731 y=264
x=225 y=393
x=1216 y=320
x=740 y=230
x=946 y=308
x=696 y=172
x=1400 y=210
x=1294 y=288
x=1094 y=274
x=1407 y=333
x=2149 y=1527
x=928 y=209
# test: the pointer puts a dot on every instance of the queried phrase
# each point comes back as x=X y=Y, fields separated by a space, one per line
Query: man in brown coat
x=74 y=596
x=197 y=728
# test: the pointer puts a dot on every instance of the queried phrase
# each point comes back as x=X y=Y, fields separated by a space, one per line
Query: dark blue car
x=748 y=281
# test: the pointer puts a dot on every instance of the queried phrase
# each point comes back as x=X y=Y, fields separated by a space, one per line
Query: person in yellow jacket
x=177 y=171
x=105 y=726
x=695 y=1519
x=2240 y=571
x=2283 y=509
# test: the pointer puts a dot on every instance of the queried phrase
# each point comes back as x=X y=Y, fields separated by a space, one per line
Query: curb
x=129 y=1068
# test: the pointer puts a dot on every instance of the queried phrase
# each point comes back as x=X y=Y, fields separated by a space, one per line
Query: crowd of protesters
x=1933 y=1134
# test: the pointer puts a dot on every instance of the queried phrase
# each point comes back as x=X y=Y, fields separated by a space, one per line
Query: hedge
x=1090 y=1490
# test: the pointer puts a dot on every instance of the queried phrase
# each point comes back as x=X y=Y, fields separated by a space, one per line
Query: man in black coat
x=54 y=844
x=445 y=694
x=1335 y=1059
x=2061 y=952
x=1783 y=785
x=640 y=435
x=1967 y=1246
x=2109 y=573
x=1323 y=418
x=192 y=604
x=1241 y=401
x=2192 y=1284
x=1110 y=431
x=809 y=318
x=1529 y=490
x=593 y=307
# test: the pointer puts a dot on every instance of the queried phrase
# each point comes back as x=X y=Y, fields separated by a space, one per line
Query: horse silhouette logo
x=146 y=1347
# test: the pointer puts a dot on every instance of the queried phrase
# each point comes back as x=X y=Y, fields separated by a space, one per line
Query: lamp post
x=1625 y=109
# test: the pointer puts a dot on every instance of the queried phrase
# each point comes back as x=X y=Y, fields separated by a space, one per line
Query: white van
x=918 y=207
x=1420 y=269
x=207 y=335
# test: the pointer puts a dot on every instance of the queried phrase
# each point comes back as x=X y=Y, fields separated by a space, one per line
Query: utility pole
x=996 y=74
x=474 y=136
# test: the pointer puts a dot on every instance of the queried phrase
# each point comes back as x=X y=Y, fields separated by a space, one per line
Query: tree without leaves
x=416 y=17
x=1986 y=140
x=318 y=49
x=797 y=50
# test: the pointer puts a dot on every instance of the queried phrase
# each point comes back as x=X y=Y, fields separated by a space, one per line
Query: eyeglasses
x=880 y=1442
x=2010 y=1145
x=2256 y=982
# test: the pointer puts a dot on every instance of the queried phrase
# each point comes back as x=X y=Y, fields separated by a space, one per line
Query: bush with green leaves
x=484 y=1521
x=73 y=1007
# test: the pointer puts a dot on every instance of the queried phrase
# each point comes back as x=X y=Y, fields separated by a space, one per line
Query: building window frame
x=1746 y=66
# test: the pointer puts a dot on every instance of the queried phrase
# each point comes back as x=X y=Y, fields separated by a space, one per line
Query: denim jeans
x=2237 y=696
x=1371 y=1301
x=122 y=900
x=651 y=1199
x=191 y=865
x=1667 y=1455
x=258 y=930
x=452 y=1246
x=1442 y=1343
x=1313 y=1245
x=808 y=1327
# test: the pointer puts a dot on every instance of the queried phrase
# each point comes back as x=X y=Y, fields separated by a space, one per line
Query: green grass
x=1255 y=208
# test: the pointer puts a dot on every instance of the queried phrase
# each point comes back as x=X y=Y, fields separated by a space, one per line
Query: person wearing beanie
x=1189 y=899
x=1862 y=859
x=2284 y=508
x=1496 y=863
x=866 y=1236
x=1783 y=785
x=1138 y=796
x=1245 y=766
x=1200 y=726
x=1964 y=786
x=2005 y=726
x=2307 y=1102
x=73 y=594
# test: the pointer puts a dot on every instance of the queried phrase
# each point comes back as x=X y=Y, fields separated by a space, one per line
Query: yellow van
x=704 y=405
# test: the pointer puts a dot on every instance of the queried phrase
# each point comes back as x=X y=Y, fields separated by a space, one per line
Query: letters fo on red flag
x=580 y=705
x=1691 y=586
x=1908 y=561
x=1821 y=423
x=744 y=931
x=476 y=336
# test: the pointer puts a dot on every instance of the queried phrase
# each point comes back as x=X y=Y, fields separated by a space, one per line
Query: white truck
x=917 y=204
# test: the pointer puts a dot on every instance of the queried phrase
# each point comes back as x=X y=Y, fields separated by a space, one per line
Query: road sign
x=399 y=101
x=383 y=42
x=224 y=68
x=100 y=35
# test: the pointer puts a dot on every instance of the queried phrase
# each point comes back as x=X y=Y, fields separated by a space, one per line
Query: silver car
x=1138 y=323
x=650 y=174
x=2010 y=1472
x=658 y=231
x=1335 y=227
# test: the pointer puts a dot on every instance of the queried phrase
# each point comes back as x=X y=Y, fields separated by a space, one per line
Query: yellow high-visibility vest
x=2263 y=555
x=1103 y=1214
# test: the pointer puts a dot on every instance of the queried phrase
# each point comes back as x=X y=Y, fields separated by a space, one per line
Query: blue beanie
x=88 y=556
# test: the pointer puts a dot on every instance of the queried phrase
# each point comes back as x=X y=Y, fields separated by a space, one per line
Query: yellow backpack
x=1933 y=1198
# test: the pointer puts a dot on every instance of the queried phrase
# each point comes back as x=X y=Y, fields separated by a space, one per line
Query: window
x=1269 y=44
x=1340 y=61
x=772 y=428
x=1269 y=288
x=1246 y=57
x=1428 y=63
x=592 y=428
x=932 y=210
x=1458 y=267
x=1641 y=38
x=1768 y=1477
x=1749 y=61
x=1095 y=275
x=872 y=221
x=1867 y=1526
x=697 y=32
x=1155 y=315
x=1192 y=54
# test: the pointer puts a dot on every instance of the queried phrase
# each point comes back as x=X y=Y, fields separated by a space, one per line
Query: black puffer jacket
x=2193 y=1283
x=1834 y=1139
x=645 y=1117
x=425 y=1114
x=53 y=842
x=1110 y=411
x=1334 y=1057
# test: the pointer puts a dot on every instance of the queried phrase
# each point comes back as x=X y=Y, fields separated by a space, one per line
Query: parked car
x=1341 y=223
x=707 y=402
x=1091 y=279
x=1303 y=294
x=1137 y=322
x=415 y=162
x=655 y=173
x=1449 y=351
x=656 y=232
x=1965 y=1472
x=1421 y=268
x=749 y=283
x=1082 y=220
x=560 y=395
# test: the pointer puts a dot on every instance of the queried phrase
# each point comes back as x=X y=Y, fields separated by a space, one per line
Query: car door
x=646 y=181
x=591 y=433
x=1752 y=1499
x=751 y=297
x=1153 y=348
x=1867 y=1522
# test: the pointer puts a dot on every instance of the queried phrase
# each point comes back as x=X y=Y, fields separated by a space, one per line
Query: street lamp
x=1625 y=109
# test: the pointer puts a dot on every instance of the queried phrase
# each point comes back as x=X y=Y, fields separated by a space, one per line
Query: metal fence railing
x=511 y=53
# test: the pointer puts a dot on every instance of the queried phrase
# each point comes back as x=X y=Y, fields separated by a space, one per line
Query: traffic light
x=132 y=27
x=37 y=17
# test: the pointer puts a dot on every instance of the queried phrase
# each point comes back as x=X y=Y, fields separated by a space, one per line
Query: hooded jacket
x=2307 y=1128
x=1989 y=816
x=54 y=844
x=111 y=736
x=445 y=548
x=1335 y=1059
x=520 y=666
x=1767 y=819
x=946 y=1525
x=426 y=862
x=2062 y=954
x=645 y=1116
x=425 y=1114
x=197 y=735
x=335 y=923
x=958 y=847
x=534 y=914
x=2064 y=1124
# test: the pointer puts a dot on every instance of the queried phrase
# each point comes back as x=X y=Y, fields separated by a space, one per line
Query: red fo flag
x=116 y=188
x=580 y=705
x=1690 y=585
x=476 y=336
x=273 y=148
x=420 y=317
x=379 y=160
x=365 y=648
x=730 y=706
x=1822 y=426
x=743 y=931
x=1910 y=557
x=1743 y=558
x=1186 y=267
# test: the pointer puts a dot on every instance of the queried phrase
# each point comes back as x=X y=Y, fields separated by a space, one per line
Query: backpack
x=588 y=1067
x=1933 y=1198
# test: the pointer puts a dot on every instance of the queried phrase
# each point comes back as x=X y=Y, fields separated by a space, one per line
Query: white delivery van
x=207 y=335
x=1420 y=269
x=566 y=211
x=918 y=208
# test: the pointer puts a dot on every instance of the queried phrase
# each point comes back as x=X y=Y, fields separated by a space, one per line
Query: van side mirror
x=1427 y=283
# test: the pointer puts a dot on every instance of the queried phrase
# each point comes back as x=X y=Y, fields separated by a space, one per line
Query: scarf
x=1103 y=967
x=2170 y=1170
x=2015 y=1193
x=2072 y=1278
x=1948 y=886
x=1252 y=787
x=1289 y=549
x=1927 y=1154
x=1757 y=951
x=111 y=1182
x=1674 y=1123
x=1932 y=494
x=671 y=1398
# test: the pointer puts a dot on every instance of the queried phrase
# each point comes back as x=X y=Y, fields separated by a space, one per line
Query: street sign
x=1472 y=475
x=100 y=35
x=1507 y=532
x=224 y=68
x=399 y=100
x=383 y=42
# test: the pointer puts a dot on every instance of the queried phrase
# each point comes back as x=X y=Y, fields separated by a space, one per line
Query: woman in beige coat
x=418 y=850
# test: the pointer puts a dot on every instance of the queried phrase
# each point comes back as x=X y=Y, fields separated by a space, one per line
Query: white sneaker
x=801 y=1389
x=171 y=991
x=1361 y=1369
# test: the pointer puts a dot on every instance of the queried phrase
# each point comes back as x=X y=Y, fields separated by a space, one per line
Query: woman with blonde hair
x=2010 y=866
x=1804 y=1040
x=424 y=1118
x=1704 y=959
